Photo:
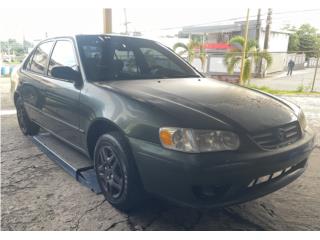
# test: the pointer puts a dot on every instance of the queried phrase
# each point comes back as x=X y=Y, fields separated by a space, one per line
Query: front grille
x=278 y=137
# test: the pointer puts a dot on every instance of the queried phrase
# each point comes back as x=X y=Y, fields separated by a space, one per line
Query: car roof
x=104 y=35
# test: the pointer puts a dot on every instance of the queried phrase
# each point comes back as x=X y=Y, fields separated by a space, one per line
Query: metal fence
x=305 y=76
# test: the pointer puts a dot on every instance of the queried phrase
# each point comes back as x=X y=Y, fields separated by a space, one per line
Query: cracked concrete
x=36 y=194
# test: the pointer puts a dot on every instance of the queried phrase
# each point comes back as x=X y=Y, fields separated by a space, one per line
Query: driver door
x=61 y=105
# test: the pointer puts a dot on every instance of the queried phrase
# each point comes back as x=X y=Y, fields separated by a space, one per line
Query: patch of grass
x=300 y=90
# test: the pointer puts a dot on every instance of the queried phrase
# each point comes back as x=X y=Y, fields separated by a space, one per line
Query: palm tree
x=191 y=49
x=234 y=56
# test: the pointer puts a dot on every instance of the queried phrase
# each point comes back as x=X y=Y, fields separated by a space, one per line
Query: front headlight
x=195 y=141
x=302 y=121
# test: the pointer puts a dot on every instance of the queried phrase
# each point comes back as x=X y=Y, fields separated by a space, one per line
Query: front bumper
x=218 y=179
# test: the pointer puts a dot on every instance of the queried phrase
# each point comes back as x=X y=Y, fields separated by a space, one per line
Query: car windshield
x=121 y=58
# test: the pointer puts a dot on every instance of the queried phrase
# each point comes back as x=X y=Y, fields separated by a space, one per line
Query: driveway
x=280 y=81
x=36 y=194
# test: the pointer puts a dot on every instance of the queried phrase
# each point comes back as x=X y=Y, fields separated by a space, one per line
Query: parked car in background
x=153 y=124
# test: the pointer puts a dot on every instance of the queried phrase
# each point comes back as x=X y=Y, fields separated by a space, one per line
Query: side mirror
x=66 y=73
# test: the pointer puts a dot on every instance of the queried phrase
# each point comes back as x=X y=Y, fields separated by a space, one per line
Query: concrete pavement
x=280 y=81
x=36 y=194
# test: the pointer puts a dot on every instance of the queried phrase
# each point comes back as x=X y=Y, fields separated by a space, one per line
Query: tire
x=26 y=125
x=116 y=172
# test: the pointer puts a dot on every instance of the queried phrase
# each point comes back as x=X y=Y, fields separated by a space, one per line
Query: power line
x=126 y=23
x=240 y=18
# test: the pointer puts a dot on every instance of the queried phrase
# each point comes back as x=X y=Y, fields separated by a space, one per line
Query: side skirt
x=72 y=161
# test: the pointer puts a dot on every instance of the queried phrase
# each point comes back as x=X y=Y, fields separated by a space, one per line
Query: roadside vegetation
x=300 y=91
x=304 y=39
x=233 y=57
x=193 y=49
x=13 y=52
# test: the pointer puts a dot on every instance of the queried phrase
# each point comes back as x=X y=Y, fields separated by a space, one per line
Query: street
x=280 y=81
x=36 y=194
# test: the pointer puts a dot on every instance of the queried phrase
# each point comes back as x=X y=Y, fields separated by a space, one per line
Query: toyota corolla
x=151 y=123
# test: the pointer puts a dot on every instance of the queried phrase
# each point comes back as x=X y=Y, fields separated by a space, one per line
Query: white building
x=216 y=40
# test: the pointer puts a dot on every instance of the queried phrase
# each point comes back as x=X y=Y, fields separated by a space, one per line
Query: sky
x=35 y=24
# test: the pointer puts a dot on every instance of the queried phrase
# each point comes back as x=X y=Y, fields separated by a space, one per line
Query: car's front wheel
x=26 y=125
x=116 y=172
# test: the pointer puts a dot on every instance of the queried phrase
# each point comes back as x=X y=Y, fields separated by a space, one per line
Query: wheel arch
x=15 y=97
x=98 y=127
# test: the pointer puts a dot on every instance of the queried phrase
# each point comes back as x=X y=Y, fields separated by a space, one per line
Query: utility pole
x=244 y=48
x=315 y=73
x=126 y=23
x=267 y=33
x=266 y=38
x=107 y=20
x=258 y=28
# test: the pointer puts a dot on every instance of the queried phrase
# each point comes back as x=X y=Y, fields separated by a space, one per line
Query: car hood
x=238 y=106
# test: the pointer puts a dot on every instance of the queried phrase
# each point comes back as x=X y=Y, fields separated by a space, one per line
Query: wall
x=299 y=60
x=312 y=62
x=215 y=65
x=197 y=64
x=278 y=42
x=279 y=62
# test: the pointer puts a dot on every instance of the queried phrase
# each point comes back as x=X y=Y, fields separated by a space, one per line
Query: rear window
x=27 y=62
x=40 y=58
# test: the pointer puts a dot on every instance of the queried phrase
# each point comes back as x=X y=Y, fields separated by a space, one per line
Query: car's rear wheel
x=26 y=125
x=116 y=172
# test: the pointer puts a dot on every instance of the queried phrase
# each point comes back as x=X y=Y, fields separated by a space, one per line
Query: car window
x=120 y=58
x=40 y=58
x=63 y=55
x=127 y=58
x=156 y=59
x=27 y=62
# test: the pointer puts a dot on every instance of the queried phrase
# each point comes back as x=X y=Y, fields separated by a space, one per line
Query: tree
x=308 y=40
x=234 y=56
x=304 y=39
x=4 y=47
x=27 y=45
x=193 y=49
x=13 y=47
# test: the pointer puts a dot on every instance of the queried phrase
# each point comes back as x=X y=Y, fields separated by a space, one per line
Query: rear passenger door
x=32 y=79
x=62 y=95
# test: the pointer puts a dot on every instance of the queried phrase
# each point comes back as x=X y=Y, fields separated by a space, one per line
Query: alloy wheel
x=110 y=173
x=21 y=118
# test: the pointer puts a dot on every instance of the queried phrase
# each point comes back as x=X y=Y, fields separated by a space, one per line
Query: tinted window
x=156 y=59
x=40 y=57
x=121 y=58
x=63 y=55
x=127 y=59
x=27 y=62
